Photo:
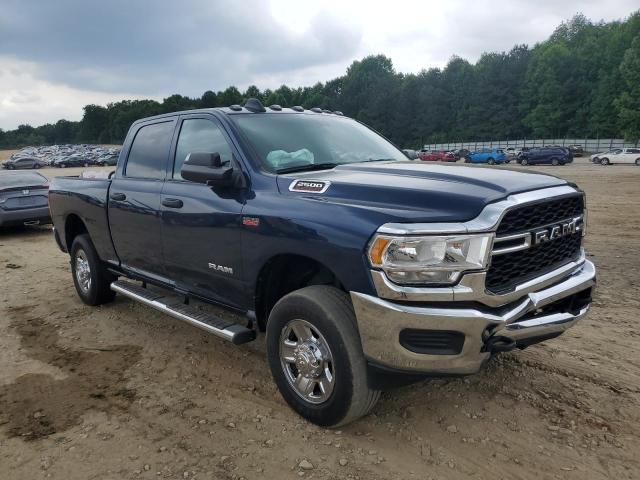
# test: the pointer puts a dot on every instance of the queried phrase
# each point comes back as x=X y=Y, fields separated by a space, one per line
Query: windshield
x=25 y=179
x=290 y=142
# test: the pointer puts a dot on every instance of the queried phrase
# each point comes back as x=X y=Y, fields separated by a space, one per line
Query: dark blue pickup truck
x=365 y=270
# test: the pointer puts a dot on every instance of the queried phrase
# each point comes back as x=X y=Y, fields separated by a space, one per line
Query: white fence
x=588 y=144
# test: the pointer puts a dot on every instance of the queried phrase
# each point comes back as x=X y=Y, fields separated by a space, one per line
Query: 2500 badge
x=309 y=186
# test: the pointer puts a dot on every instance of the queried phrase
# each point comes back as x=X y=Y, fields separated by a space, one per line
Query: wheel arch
x=282 y=274
x=73 y=226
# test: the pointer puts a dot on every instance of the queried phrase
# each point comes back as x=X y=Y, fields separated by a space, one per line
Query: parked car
x=75 y=160
x=23 y=199
x=576 y=150
x=409 y=152
x=620 y=155
x=461 y=153
x=512 y=151
x=22 y=163
x=361 y=274
x=111 y=160
x=436 y=156
x=546 y=155
x=487 y=155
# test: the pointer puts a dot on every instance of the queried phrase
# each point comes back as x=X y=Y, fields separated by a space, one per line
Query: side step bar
x=236 y=334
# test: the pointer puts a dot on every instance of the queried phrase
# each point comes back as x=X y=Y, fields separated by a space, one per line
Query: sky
x=57 y=56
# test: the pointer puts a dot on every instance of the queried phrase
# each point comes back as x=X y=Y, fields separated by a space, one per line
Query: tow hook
x=499 y=344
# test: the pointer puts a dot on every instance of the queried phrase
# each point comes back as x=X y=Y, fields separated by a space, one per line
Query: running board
x=236 y=334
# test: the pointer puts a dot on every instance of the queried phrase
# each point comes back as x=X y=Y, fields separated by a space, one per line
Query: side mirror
x=207 y=168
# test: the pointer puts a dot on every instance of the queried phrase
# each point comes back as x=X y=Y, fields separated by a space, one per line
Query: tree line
x=583 y=81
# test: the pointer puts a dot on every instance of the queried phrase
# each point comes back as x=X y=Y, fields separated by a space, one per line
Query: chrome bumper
x=380 y=323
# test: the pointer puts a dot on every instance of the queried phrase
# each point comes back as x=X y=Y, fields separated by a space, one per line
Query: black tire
x=491 y=161
x=604 y=161
x=638 y=161
x=36 y=166
x=524 y=162
x=97 y=291
x=329 y=312
x=555 y=162
x=63 y=165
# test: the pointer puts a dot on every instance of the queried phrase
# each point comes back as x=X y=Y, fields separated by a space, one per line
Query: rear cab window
x=149 y=151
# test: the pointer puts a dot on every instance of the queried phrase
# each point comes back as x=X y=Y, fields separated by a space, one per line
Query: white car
x=512 y=151
x=619 y=155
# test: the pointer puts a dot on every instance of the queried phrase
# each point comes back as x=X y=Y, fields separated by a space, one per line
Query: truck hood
x=415 y=191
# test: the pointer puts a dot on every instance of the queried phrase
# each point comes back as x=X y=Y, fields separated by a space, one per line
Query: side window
x=149 y=152
x=199 y=135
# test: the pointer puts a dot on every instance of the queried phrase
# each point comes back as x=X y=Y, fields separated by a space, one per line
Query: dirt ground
x=122 y=392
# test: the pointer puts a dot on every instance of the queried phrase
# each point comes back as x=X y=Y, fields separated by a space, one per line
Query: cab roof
x=252 y=105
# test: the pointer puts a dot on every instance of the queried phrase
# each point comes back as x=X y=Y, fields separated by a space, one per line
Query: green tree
x=629 y=101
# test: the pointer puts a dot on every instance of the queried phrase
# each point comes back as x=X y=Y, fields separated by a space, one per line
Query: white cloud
x=26 y=98
x=57 y=57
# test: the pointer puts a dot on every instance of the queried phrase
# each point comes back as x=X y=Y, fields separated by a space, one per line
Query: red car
x=436 y=155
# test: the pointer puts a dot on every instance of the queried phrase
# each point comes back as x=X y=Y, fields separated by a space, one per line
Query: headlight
x=429 y=259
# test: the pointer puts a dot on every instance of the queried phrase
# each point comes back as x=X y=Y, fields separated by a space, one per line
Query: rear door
x=633 y=154
x=626 y=156
x=134 y=199
x=201 y=225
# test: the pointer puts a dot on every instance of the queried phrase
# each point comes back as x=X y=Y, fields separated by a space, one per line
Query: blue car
x=487 y=155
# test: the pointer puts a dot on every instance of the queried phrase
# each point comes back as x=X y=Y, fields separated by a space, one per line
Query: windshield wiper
x=379 y=160
x=308 y=168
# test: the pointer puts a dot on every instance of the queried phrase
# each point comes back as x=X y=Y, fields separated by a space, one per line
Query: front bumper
x=534 y=316
x=26 y=216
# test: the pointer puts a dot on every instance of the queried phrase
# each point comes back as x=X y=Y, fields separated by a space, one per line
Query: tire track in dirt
x=38 y=405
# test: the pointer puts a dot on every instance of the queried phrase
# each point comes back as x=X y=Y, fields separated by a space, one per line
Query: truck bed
x=86 y=199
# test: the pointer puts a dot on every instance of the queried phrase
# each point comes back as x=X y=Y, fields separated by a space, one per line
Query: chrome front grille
x=534 y=239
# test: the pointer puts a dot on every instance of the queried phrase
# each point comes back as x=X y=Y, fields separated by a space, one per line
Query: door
x=626 y=156
x=632 y=156
x=201 y=224
x=616 y=156
x=134 y=200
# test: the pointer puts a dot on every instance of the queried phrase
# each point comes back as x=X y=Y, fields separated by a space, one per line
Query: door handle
x=172 y=202
x=117 y=196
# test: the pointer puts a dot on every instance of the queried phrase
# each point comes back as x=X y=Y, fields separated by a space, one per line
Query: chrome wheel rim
x=307 y=362
x=83 y=271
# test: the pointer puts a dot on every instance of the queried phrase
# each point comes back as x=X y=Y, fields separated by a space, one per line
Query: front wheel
x=90 y=277
x=491 y=161
x=316 y=357
x=638 y=161
x=524 y=161
x=555 y=162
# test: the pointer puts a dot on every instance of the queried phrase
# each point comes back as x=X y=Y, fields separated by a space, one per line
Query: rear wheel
x=36 y=166
x=555 y=162
x=638 y=161
x=604 y=161
x=524 y=161
x=491 y=161
x=316 y=357
x=90 y=277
